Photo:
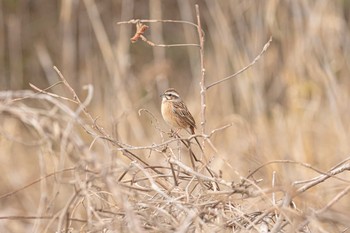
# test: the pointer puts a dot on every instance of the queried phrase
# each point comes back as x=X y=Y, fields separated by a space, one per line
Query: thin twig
x=334 y=200
x=329 y=173
x=34 y=182
x=141 y=28
x=18 y=217
x=135 y=21
x=325 y=176
x=266 y=46
x=40 y=91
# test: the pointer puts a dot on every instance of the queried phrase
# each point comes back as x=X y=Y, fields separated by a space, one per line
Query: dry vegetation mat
x=107 y=186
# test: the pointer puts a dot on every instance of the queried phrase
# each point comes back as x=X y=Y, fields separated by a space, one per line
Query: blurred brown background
x=293 y=104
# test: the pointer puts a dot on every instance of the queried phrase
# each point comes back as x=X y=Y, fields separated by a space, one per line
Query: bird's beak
x=162 y=95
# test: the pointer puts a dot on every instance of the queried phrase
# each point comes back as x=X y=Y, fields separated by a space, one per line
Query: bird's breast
x=168 y=115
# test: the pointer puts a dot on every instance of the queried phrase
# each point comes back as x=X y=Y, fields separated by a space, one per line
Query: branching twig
x=325 y=176
x=329 y=173
x=141 y=28
x=43 y=91
x=266 y=46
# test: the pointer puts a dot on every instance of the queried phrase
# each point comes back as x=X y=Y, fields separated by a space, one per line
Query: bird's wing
x=181 y=110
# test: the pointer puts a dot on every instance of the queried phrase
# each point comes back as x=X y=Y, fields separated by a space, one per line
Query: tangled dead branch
x=132 y=194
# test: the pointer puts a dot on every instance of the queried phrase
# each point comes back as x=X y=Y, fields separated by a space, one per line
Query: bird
x=175 y=112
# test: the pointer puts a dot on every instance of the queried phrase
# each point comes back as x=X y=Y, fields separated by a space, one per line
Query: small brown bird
x=175 y=112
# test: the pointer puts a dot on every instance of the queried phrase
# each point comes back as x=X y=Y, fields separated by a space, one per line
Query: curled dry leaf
x=140 y=29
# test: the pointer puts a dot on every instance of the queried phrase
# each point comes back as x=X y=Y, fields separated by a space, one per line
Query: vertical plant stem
x=202 y=82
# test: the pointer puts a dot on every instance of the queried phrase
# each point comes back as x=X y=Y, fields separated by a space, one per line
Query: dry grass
x=86 y=150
